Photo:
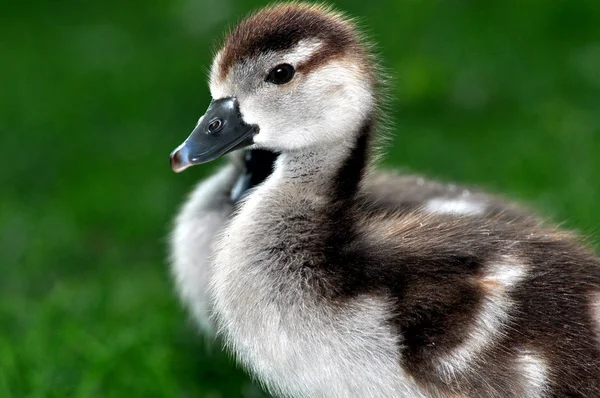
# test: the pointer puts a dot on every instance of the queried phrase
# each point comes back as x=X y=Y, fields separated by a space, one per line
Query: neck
x=335 y=170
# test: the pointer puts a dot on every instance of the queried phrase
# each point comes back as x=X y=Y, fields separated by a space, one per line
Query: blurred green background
x=94 y=95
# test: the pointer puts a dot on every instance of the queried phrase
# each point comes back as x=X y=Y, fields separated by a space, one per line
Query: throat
x=334 y=170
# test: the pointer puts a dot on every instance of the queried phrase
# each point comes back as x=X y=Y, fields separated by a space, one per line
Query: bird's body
x=214 y=200
x=330 y=280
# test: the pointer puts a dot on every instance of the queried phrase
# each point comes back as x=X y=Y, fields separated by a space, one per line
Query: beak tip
x=178 y=162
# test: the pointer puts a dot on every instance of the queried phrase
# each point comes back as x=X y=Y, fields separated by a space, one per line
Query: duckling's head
x=288 y=78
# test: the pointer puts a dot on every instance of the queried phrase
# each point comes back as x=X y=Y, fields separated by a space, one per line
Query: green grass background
x=94 y=95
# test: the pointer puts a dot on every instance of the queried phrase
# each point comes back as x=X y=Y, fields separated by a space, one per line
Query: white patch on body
x=595 y=308
x=498 y=281
x=534 y=371
x=196 y=227
x=299 y=345
x=454 y=206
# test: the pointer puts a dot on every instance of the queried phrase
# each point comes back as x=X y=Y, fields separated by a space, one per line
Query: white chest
x=297 y=343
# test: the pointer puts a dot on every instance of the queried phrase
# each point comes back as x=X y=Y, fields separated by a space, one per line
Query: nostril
x=214 y=126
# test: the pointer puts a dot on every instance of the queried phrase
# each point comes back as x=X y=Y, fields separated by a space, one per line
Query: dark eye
x=281 y=74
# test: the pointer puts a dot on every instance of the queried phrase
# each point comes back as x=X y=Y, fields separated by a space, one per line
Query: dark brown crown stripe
x=281 y=27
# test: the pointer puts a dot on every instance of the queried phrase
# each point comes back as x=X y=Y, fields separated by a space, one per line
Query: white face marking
x=534 y=371
x=214 y=82
x=494 y=315
x=298 y=55
x=323 y=107
x=454 y=206
x=302 y=52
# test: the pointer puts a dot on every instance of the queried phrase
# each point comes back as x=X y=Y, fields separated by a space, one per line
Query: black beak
x=220 y=130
